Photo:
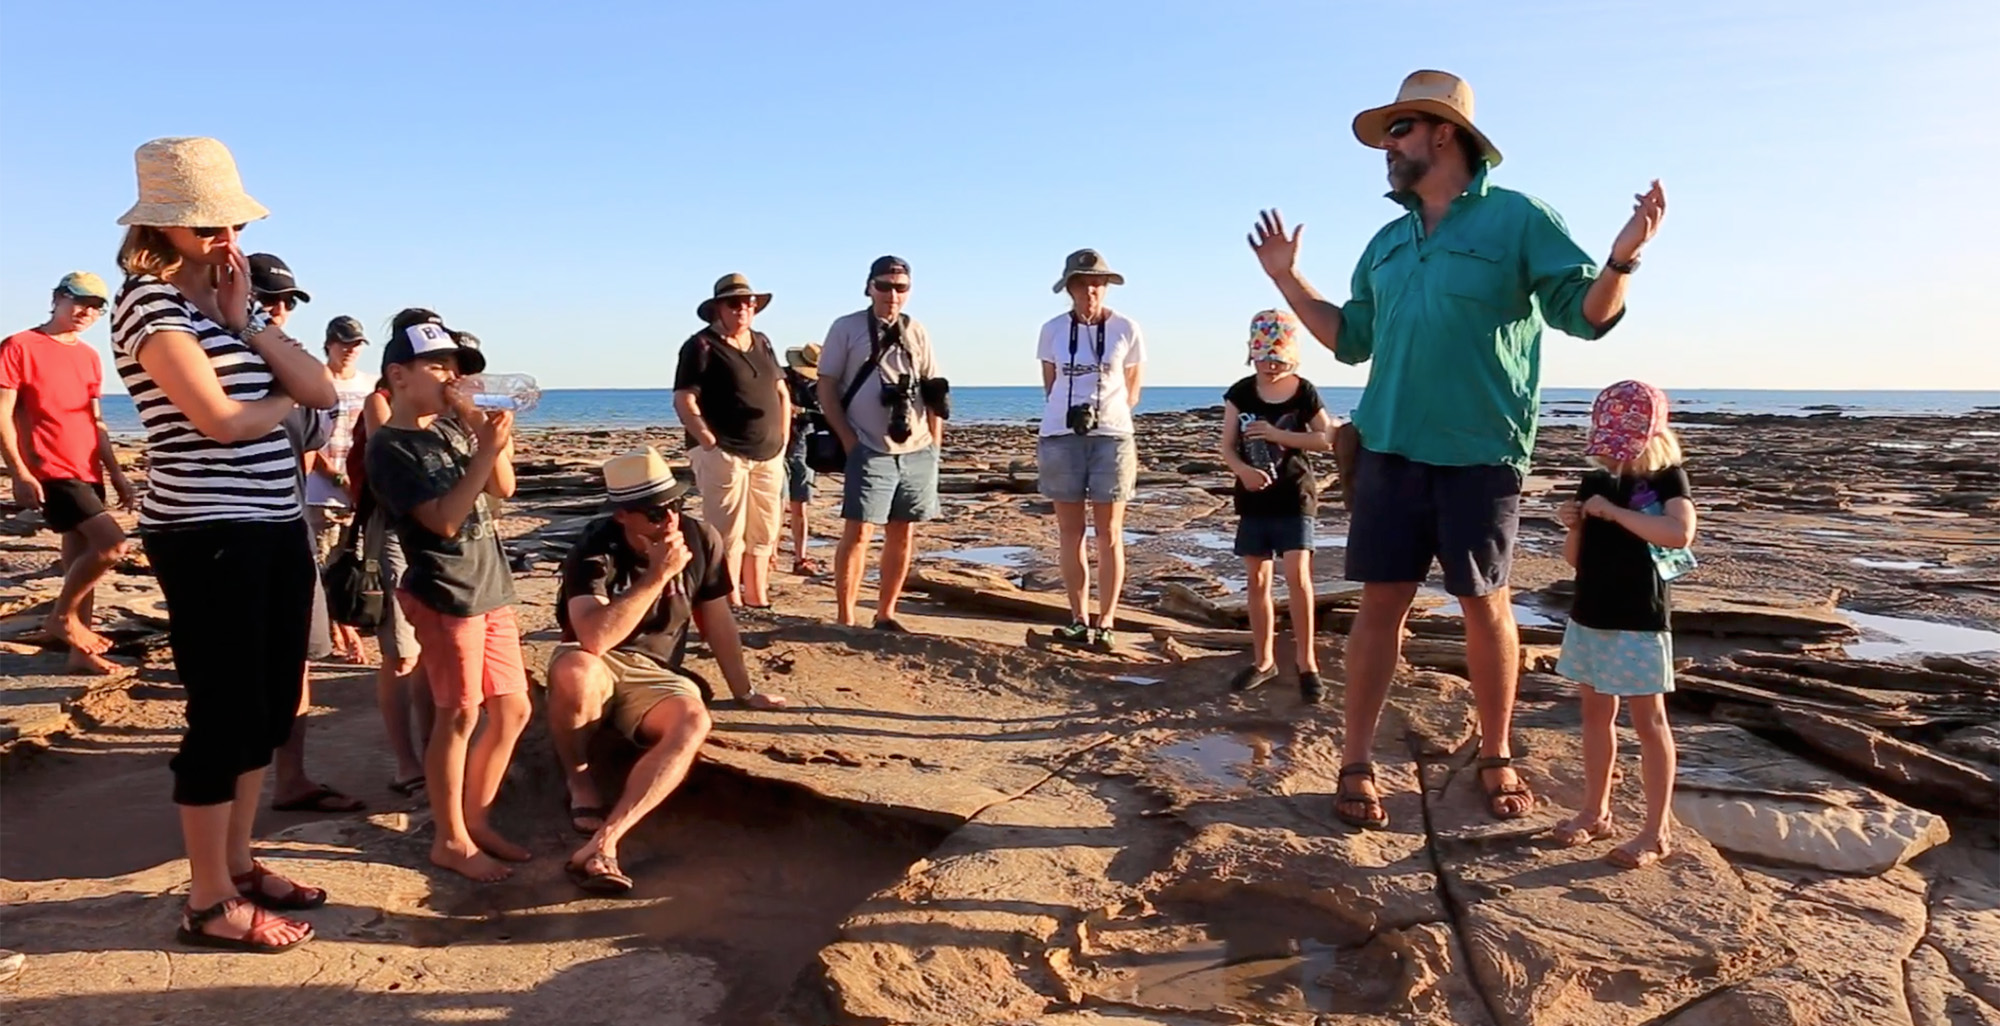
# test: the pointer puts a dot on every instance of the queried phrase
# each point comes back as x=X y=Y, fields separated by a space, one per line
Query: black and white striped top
x=191 y=478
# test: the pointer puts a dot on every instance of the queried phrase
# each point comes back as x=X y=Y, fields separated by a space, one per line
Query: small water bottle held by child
x=516 y=392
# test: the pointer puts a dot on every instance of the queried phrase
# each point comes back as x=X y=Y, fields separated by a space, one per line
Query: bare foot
x=766 y=700
x=70 y=631
x=490 y=842
x=89 y=664
x=1640 y=851
x=1582 y=829
x=468 y=862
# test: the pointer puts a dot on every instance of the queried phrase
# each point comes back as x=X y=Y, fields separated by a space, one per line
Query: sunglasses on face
x=740 y=301
x=210 y=233
x=891 y=286
x=288 y=302
x=659 y=514
x=93 y=304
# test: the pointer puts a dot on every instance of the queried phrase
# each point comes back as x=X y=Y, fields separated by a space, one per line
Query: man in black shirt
x=630 y=587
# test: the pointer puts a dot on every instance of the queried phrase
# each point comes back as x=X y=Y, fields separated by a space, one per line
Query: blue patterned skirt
x=1618 y=662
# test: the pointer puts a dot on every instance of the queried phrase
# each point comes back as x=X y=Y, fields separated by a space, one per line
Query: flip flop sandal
x=320 y=799
x=1379 y=817
x=1252 y=677
x=255 y=941
x=599 y=874
x=596 y=812
x=892 y=625
x=408 y=788
x=1494 y=794
x=297 y=899
x=808 y=568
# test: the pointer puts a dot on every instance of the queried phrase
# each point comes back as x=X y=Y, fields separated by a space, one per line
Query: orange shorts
x=467 y=659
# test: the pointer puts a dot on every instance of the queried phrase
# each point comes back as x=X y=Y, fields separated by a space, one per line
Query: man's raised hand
x=1649 y=208
x=1275 y=250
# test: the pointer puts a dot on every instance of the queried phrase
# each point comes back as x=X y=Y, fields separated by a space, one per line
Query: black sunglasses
x=1404 y=126
x=87 y=302
x=209 y=233
x=288 y=302
x=658 y=514
x=890 y=286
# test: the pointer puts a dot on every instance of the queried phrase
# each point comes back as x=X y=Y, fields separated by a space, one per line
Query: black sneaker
x=1310 y=689
x=1077 y=633
x=1252 y=677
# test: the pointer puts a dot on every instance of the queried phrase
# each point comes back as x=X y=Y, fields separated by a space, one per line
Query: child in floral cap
x=1627 y=526
x=1271 y=419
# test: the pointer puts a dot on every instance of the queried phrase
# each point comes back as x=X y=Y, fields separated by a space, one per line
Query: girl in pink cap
x=1270 y=420
x=1629 y=527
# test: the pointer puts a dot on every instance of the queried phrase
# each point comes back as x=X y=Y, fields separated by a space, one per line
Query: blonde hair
x=1662 y=451
x=147 y=250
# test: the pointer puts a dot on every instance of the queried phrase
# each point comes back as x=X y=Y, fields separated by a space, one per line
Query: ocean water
x=999 y=404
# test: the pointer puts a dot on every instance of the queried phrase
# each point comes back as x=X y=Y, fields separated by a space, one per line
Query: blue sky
x=567 y=180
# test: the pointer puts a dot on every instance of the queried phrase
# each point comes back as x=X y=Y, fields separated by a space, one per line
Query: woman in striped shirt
x=213 y=380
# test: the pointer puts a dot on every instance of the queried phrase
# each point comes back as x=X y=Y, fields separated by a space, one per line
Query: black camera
x=899 y=399
x=1082 y=418
x=936 y=394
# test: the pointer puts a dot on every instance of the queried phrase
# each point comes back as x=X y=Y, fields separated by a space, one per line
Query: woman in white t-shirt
x=1091 y=359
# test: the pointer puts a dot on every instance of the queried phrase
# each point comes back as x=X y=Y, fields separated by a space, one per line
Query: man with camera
x=879 y=389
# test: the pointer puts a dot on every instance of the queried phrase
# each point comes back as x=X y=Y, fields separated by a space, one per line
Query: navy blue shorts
x=1407 y=513
x=1268 y=537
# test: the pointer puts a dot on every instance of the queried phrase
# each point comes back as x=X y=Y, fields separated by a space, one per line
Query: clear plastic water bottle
x=517 y=392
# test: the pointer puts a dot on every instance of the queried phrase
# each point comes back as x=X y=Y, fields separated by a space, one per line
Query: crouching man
x=629 y=589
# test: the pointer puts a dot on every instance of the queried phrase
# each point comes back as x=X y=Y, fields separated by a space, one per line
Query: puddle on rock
x=1524 y=615
x=1005 y=556
x=1892 y=564
x=1223 y=760
x=1894 y=638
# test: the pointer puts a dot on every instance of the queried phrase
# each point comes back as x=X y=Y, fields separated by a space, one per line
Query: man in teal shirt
x=1447 y=305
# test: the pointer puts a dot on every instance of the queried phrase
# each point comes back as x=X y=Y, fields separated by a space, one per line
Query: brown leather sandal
x=256 y=940
x=1494 y=794
x=1377 y=817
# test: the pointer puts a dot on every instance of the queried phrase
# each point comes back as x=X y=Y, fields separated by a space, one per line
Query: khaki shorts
x=637 y=685
x=744 y=500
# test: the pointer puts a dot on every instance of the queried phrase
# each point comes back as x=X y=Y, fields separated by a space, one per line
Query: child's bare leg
x=1263 y=619
x=1600 y=748
x=445 y=770
x=1657 y=761
x=486 y=766
x=1299 y=583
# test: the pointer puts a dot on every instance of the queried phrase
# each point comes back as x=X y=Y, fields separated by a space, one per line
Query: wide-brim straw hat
x=190 y=182
x=641 y=478
x=1086 y=263
x=805 y=360
x=726 y=287
x=1440 y=94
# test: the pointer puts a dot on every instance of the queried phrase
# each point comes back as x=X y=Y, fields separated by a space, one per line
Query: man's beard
x=1406 y=172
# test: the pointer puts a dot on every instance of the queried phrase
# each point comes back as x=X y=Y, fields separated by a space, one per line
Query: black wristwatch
x=1629 y=266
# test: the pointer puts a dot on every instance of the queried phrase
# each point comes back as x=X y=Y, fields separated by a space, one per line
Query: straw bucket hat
x=1087 y=263
x=190 y=182
x=1441 y=95
x=805 y=360
x=726 y=287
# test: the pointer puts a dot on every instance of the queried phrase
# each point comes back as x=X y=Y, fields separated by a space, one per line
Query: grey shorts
x=1097 y=468
x=879 y=487
x=397 y=638
x=1408 y=513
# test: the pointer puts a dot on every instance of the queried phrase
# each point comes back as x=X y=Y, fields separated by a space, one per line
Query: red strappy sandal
x=297 y=897
x=256 y=941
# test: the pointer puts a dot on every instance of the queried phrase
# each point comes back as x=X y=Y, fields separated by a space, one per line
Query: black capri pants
x=239 y=597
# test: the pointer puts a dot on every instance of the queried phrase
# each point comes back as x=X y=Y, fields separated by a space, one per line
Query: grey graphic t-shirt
x=464 y=575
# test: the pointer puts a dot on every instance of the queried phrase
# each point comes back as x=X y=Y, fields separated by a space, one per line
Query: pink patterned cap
x=1274 y=335
x=1624 y=418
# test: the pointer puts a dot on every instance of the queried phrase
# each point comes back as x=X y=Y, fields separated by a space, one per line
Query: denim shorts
x=1268 y=537
x=1097 y=468
x=880 y=487
x=1407 y=513
x=798 y=476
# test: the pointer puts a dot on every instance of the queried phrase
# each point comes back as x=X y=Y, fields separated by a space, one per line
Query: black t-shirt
x=604 y=564
x=740 y=393
x=1617 y=586
x=1293 y=491
x=461 y=576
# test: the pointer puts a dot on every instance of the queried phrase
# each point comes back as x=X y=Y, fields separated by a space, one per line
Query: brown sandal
x=1494 y=794
x=255 y=940
x=1377 y=818
x=297 y=897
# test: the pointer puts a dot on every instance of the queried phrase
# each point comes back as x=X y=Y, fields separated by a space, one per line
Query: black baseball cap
x=429 y=338
x=346 y=329
x=271 y=278
x=888 y=265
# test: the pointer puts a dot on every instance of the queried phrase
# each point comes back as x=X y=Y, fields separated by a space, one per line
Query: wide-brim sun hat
x=1441 y=95
x=190 y=182
x=640 y=479
x=805 y=360
x=1086 y=263
x=730 y=286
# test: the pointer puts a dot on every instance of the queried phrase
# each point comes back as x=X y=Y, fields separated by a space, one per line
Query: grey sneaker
x=1102 y=639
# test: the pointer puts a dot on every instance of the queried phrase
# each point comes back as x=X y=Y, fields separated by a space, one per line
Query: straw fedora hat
x=641 y=478
x=190 y=182
x=1440 y=94
x=725 y=287
x=805 y=360
x=1086 y=262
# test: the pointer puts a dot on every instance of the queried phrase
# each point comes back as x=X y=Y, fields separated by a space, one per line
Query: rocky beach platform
x=972 y=825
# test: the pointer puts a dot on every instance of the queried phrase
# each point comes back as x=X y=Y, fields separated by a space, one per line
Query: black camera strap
x=1069 y=372
x=876 y=350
